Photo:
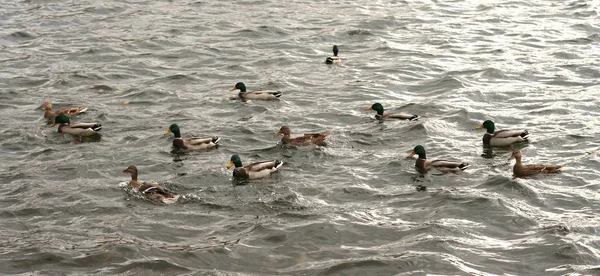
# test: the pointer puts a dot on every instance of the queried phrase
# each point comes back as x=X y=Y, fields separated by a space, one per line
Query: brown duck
x=50 y=114
x=520 y=170
x=151 y=191
x=307 y=139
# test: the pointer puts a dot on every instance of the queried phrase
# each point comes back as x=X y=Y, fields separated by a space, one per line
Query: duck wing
x=402 y=116
x=506 y=133
x=447 y=166
x=261 y=95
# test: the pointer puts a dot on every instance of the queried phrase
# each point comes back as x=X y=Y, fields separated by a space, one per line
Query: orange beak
x=230 y=164
x=168 y=132
x=411 y=154
x=53 y=124
x=278 y=133
x=233 y=88
x=479 y=127
x=369 y=108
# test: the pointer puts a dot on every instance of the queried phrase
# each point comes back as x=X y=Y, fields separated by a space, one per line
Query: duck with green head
x=254 y=170
x=502 y=138
x=191 y=143
x=151 y=191
x=79 y=129
x=307 y=139
x=256 y=94
x=422 y=165
x=520 y=170
x=334 y=59
x=401 y=116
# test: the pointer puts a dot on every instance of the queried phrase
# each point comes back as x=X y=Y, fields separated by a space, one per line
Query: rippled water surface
x=348 y=208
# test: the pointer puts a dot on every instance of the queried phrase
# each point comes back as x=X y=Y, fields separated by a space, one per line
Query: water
x=349 y=208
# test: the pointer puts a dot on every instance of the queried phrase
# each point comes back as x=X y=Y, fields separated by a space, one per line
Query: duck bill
x=278 y=133
x=369 y=108
x=230 y=164
x=411 y=154
x=168 y=132
x=479 y=127
x=53 y=124
x=125 y=171
x=232 y=89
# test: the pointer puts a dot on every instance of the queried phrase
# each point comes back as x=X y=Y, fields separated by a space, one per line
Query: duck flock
x=492 y=138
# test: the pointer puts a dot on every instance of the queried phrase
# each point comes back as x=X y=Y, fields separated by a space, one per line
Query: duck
x=520 y=170
x=380 y=116
x=422 y=165
x=256 y=94
x=79 y=129
x=254 y=170
x=191 y=143
x=307 y=139
x=502 y=138
x=152 y=191
x=333 y=59
x=50 y=114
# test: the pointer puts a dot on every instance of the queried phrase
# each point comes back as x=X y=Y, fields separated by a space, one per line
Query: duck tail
x=278 y=164
x=414 y=118
x=96 y=127
x=525 y=135
x=216 y=140
x=463 y=166
x=329 y=60
x=277 y=94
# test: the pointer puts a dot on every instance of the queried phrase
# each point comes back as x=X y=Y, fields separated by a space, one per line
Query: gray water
x=348 y=208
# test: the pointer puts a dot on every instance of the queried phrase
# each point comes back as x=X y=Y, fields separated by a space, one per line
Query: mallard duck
x=80 y=129
x=402 y=116
x=50 y=114
x=308 y=138
x=334 y=59
x=151 y=191
x=191 y=143
x=256 y=94
x=502 y=138
x=254 y=170
x=520 y=170
x=422 y=165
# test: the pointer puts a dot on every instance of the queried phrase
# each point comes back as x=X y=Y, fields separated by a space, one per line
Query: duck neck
x=134 y=175
x=177 y=134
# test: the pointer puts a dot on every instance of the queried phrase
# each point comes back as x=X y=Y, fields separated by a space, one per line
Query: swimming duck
x=334 y=59
x=308 y=138
x=254 y=170
x=256 y=94
x=520 y=170
x=191 y=143
x=151 y=191
x=402 y=116
x=502 y=138
x=50 y=114
x=422 y=165
x=80 y=129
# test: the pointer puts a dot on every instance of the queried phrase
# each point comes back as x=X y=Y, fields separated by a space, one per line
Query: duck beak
x=411 y=154
x=479 y=127
x=232 y=88
x=230 y=164
x=369 y=108
x=53 y=124
x=278 y=133
x=168 y=132
x=125 y=171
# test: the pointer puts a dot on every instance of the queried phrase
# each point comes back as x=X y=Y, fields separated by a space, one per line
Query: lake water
x=351 y=207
